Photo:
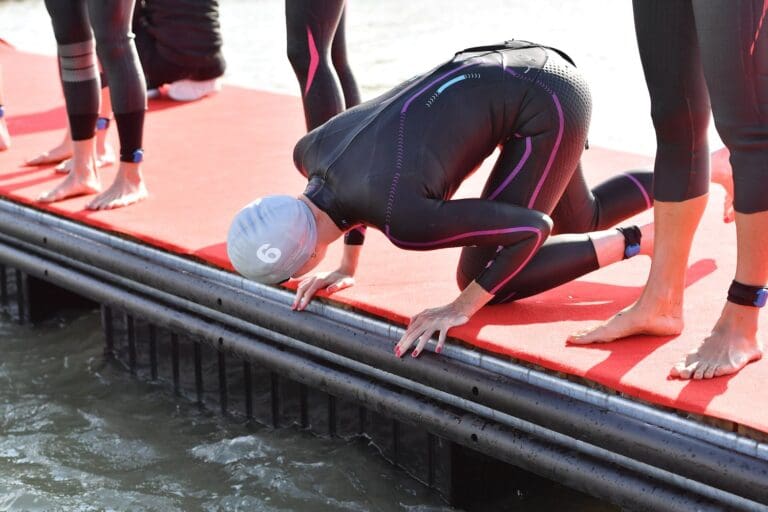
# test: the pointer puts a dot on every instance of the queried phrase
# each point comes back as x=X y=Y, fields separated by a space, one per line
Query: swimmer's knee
x=297 y=52
x=113 y=48
x=543 y=223
x=680 y=121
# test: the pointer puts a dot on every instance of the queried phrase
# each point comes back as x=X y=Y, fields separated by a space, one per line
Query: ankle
x=739 y=319
x=661 y=301
x=130 y=172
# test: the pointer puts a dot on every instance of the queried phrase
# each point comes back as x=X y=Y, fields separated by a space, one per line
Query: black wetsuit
x=694 y=52
x=395 y=161
x=75 y=24
x=179 y=39
x=327 y=86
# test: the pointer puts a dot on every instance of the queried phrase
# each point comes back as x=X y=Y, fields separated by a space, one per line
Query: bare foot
x=82 y=182
x=128 y=188
x=104 y=158
x=53 y=156
x=631 y=321
x=732 y=345
x=723 y=176
x=5 y=137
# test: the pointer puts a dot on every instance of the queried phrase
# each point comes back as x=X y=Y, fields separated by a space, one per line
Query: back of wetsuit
x=394 y=162
x=417 y=134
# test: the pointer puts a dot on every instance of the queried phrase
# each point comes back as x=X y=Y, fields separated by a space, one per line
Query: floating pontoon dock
x=505 y=393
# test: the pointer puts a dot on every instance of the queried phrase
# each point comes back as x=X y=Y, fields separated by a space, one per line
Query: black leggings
x=327 y=83
x=75 y=22
x=689 y=47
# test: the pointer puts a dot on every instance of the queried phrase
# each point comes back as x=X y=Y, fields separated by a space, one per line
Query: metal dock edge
x=634 y=455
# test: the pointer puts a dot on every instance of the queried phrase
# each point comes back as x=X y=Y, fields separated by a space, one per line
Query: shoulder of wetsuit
x=516 y=44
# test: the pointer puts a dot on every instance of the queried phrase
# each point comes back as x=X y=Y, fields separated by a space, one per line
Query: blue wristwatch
x=631 y=250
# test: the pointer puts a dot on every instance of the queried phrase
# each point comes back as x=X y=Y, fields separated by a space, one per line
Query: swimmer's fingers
x=441 y=341
x=413 y=331
x=425 y=324
x=306 y=290
x=426 y=335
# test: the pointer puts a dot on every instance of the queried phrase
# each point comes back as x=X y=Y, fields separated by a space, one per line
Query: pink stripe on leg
x=314 y=60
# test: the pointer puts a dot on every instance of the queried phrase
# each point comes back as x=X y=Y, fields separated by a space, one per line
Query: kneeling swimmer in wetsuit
x=394 y=162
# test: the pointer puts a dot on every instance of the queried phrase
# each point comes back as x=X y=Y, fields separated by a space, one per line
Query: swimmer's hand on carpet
x=441 y=319
x=330 y=281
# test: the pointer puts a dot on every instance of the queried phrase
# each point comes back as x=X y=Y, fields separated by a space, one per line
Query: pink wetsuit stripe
x=759 y=28
x=463 y=235
x=314 y=60
x=552 y=154
x=516 y=170
x=648 y=202
x=421 y=91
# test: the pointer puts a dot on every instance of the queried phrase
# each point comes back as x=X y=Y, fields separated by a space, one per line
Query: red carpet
x=205 y=160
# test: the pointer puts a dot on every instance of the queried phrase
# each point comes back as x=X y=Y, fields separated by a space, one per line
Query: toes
x=701 y=369
x=683 y=370
x=581 y=338
x=724 y=370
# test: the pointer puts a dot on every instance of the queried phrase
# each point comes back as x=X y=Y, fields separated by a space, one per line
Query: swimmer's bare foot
x=723 y=175
x=54 y=155
x=128 y=188
x=730 y=347
x=5 y=137
x=81 y=181
x=104 y=158
x=652 y=320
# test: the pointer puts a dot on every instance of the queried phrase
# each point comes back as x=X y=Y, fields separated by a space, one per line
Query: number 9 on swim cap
x=271 y=238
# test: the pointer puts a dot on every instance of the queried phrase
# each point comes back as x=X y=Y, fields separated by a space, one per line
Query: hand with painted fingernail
x=331 y=282
x=425 y=324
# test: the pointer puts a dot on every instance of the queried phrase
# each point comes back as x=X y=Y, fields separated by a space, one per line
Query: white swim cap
x=271 y=238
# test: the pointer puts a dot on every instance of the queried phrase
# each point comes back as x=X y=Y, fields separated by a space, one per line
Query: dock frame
x=238 y=346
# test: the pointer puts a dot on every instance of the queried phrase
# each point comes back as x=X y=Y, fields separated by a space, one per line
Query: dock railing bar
x=493 y=363
x=583 y=472
x=698 y=453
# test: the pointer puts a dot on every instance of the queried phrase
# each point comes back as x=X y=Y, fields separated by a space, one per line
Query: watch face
x=761 y=298
x=632 y=250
